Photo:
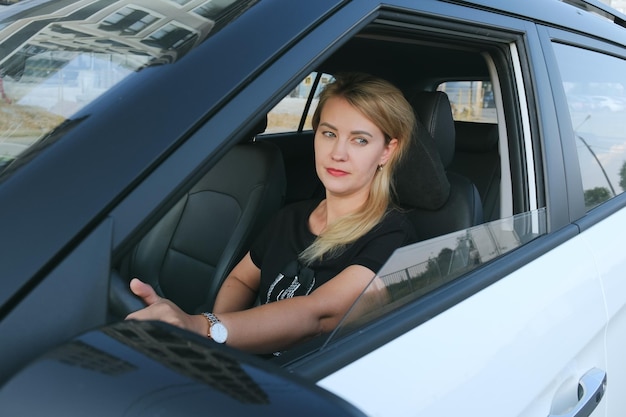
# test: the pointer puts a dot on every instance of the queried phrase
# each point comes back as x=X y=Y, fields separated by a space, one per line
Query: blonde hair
x=384 y=105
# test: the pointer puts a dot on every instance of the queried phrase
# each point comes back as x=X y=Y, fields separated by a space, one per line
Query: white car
x=157 y=136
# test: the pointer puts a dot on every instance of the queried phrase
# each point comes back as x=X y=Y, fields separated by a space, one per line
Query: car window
x=415 y=270
x=595 y=88
x=294 y=112
x=52 y=64
x=471 y=101
x=455 y=254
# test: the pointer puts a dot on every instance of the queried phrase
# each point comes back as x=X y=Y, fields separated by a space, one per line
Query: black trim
x=599 y=8
x=602 y=212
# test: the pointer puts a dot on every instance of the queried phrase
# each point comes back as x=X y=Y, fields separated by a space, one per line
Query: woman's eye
x=328 y=134
x=361 y=141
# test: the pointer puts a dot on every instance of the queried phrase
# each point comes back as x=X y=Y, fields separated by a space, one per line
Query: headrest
x=434 y=111
x=476 y=137
x=420 y=179
x=258 y=128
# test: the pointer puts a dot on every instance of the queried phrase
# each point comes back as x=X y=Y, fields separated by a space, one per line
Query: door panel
x=517 y=348
x=608 y=251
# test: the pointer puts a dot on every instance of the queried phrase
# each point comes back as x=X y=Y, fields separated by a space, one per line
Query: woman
x=315 y=258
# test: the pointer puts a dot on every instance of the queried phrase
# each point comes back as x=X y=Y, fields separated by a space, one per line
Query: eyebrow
x=354 y=132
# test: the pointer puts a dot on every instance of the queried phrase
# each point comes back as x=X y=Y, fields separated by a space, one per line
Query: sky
x=617 y=4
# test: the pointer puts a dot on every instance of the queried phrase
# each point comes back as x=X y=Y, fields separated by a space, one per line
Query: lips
x=336 y=172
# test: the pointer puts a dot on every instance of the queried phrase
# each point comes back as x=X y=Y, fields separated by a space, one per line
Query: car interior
x=451 y=181
x=176 y=257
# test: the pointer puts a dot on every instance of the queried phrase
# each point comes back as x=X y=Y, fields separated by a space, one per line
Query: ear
x=390 y=148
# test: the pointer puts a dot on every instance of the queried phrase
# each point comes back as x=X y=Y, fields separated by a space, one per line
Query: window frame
x=518 y=120
x=578 y=212
x=223 y=123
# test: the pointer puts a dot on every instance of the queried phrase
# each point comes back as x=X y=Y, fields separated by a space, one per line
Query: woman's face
x=348 y=149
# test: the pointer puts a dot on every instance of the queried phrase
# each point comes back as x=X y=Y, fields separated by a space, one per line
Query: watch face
x=219 y=333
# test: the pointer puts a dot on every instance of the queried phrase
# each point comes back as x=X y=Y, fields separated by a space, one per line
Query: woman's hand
x=164 y=310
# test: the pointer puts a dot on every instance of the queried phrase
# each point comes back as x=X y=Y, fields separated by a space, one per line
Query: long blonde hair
x=384 y=105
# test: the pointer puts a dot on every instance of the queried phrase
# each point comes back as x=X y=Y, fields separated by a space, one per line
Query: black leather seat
x=439 y=201
x=477 y=157
x=190 y=251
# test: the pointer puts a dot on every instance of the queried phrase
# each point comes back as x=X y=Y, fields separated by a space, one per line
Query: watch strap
x=212 y=319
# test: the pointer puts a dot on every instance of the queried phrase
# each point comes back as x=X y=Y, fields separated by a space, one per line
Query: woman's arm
x=275 y=326
x=240 y=288
x=281 y=324
x=238 y=292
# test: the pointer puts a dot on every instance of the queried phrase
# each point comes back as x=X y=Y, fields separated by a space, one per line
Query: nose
x=339 y=150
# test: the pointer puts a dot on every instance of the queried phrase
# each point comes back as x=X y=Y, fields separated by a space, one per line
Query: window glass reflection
x=213 y=9
x=595 y=87
x=418 y=269
x=56 y=60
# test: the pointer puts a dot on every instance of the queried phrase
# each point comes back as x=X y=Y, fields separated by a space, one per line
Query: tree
x=595 y=196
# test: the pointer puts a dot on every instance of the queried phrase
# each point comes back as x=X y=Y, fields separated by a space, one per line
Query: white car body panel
x=606 y=241
x=487 y=356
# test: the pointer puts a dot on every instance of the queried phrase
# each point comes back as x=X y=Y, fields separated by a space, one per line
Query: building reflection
x=82 y=355
x=143 y=31
x=58 y=56
x=181 y=355
x=191 y=359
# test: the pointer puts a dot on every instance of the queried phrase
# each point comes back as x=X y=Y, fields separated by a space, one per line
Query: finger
x=144 y=291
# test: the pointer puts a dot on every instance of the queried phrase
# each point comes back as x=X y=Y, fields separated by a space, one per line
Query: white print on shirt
x=288 y=292
x=269 y=291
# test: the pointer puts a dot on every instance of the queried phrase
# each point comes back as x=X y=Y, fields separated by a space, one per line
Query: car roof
x=542 y=10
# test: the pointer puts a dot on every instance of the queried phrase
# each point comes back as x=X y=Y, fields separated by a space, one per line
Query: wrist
x=216 y=329
x=200 y=325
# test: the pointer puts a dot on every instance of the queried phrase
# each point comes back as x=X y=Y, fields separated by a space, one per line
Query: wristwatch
x=217 y=331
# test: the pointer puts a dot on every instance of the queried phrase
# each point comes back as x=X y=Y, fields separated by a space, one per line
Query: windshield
x=415 y=270
x=58 y=56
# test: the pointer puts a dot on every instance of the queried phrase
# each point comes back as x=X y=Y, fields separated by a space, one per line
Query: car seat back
x=439 y=200
x=190 y=251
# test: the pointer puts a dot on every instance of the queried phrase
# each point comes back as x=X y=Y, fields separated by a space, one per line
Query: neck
x=331 y=209
x=340 y=206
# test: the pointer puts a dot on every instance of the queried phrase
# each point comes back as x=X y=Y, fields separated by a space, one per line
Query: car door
x=591 y=73
x=519 y=347
x=521 y=335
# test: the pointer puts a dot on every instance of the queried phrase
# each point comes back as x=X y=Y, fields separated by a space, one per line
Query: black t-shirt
x=276 y=251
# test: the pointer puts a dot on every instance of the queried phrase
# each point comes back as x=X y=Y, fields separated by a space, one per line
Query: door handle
x=591 y=388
